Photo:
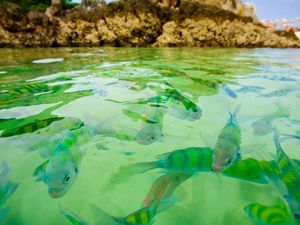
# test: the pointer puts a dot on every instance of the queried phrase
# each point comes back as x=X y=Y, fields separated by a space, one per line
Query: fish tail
x=236 y=111
x=277 y=141
x=145 y=166
x=125 y=172
x=103 y=218
x=4 y=171
x=73 y=218
x=3 y=213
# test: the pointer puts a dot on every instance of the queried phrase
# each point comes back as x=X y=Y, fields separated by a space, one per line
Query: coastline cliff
x=141 y=23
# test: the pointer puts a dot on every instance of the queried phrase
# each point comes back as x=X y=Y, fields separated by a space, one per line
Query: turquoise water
x=78 y=125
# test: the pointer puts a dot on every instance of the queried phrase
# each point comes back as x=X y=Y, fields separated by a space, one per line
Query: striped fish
x=176 y=104
x=289 y=174
x=29 y=127
x=269 y=215
x=30 y=89
x=151 y=130
x=227 y=148
x=60 y=170
x=188 y=160
x=143 y=216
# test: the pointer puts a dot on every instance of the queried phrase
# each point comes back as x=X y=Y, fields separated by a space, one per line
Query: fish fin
x=72 y=218
x=236 y=111
x=125 y=172
x=3 y=213
x=12 y=187
x=165 y=204
x=208 y=139
x=245 y=149
x=4 y=172
x=39 y=172
x=277 y=141
x=134 y=116
x=290 y=136
x=102 y=218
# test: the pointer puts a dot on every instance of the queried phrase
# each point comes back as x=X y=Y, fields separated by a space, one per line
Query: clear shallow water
x=116 y=106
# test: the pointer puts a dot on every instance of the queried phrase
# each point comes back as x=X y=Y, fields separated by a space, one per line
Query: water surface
x=110 y=96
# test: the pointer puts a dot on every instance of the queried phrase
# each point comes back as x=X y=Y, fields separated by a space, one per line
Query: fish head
x=59 y=177
x=222 y=161
x=149 y=134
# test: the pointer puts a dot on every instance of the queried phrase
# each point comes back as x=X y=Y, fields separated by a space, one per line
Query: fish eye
x=66 y=179
x=228 y=162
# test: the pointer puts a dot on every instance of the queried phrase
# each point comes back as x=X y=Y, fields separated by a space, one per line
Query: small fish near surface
x=29 y=127
x=276 y=78
x=270 y=215
x=7 y=188
x=60 y=171
x=264 y=126
x=247 y=89
x=278 y=93
x=289 y=175
x=176 y=104
x=151 y=130
x=226 y=151
x=228 y=91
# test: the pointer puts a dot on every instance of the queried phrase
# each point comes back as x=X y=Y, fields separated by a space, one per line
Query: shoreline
x=138 y=24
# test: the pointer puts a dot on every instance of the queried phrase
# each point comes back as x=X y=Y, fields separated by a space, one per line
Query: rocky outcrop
x=158 y=23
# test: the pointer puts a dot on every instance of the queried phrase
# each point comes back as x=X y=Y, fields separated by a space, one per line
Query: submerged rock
x=158 y=23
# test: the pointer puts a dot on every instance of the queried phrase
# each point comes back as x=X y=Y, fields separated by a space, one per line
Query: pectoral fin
x=39 y=172
x=12 y=187
x=3 y=213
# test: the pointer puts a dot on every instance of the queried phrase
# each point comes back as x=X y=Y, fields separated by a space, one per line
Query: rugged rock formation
x=159 y=23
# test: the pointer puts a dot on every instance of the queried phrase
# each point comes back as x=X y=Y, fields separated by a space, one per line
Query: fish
x=188 y=160
x=72 y=218
x=7 y=188
x=174 y=100
x=228 y=91
x=246 y=89
x=143 y=216
x=289 y=174
x=278 y=93
x=29 y=89
x=29 y=127
x=226 y=151
x=277 y=78
x=60 y=171
x=263 y=125
x=269 y=215
x=164 y=187
x=151 y=130
x=176 y=104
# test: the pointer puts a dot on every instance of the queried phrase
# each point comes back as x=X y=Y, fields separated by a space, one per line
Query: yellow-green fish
x=227 y=148
x=269 y=215
x=61 y=169
x=143 y=216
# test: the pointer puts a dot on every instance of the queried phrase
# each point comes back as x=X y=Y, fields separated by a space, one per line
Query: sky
x=276 y=9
